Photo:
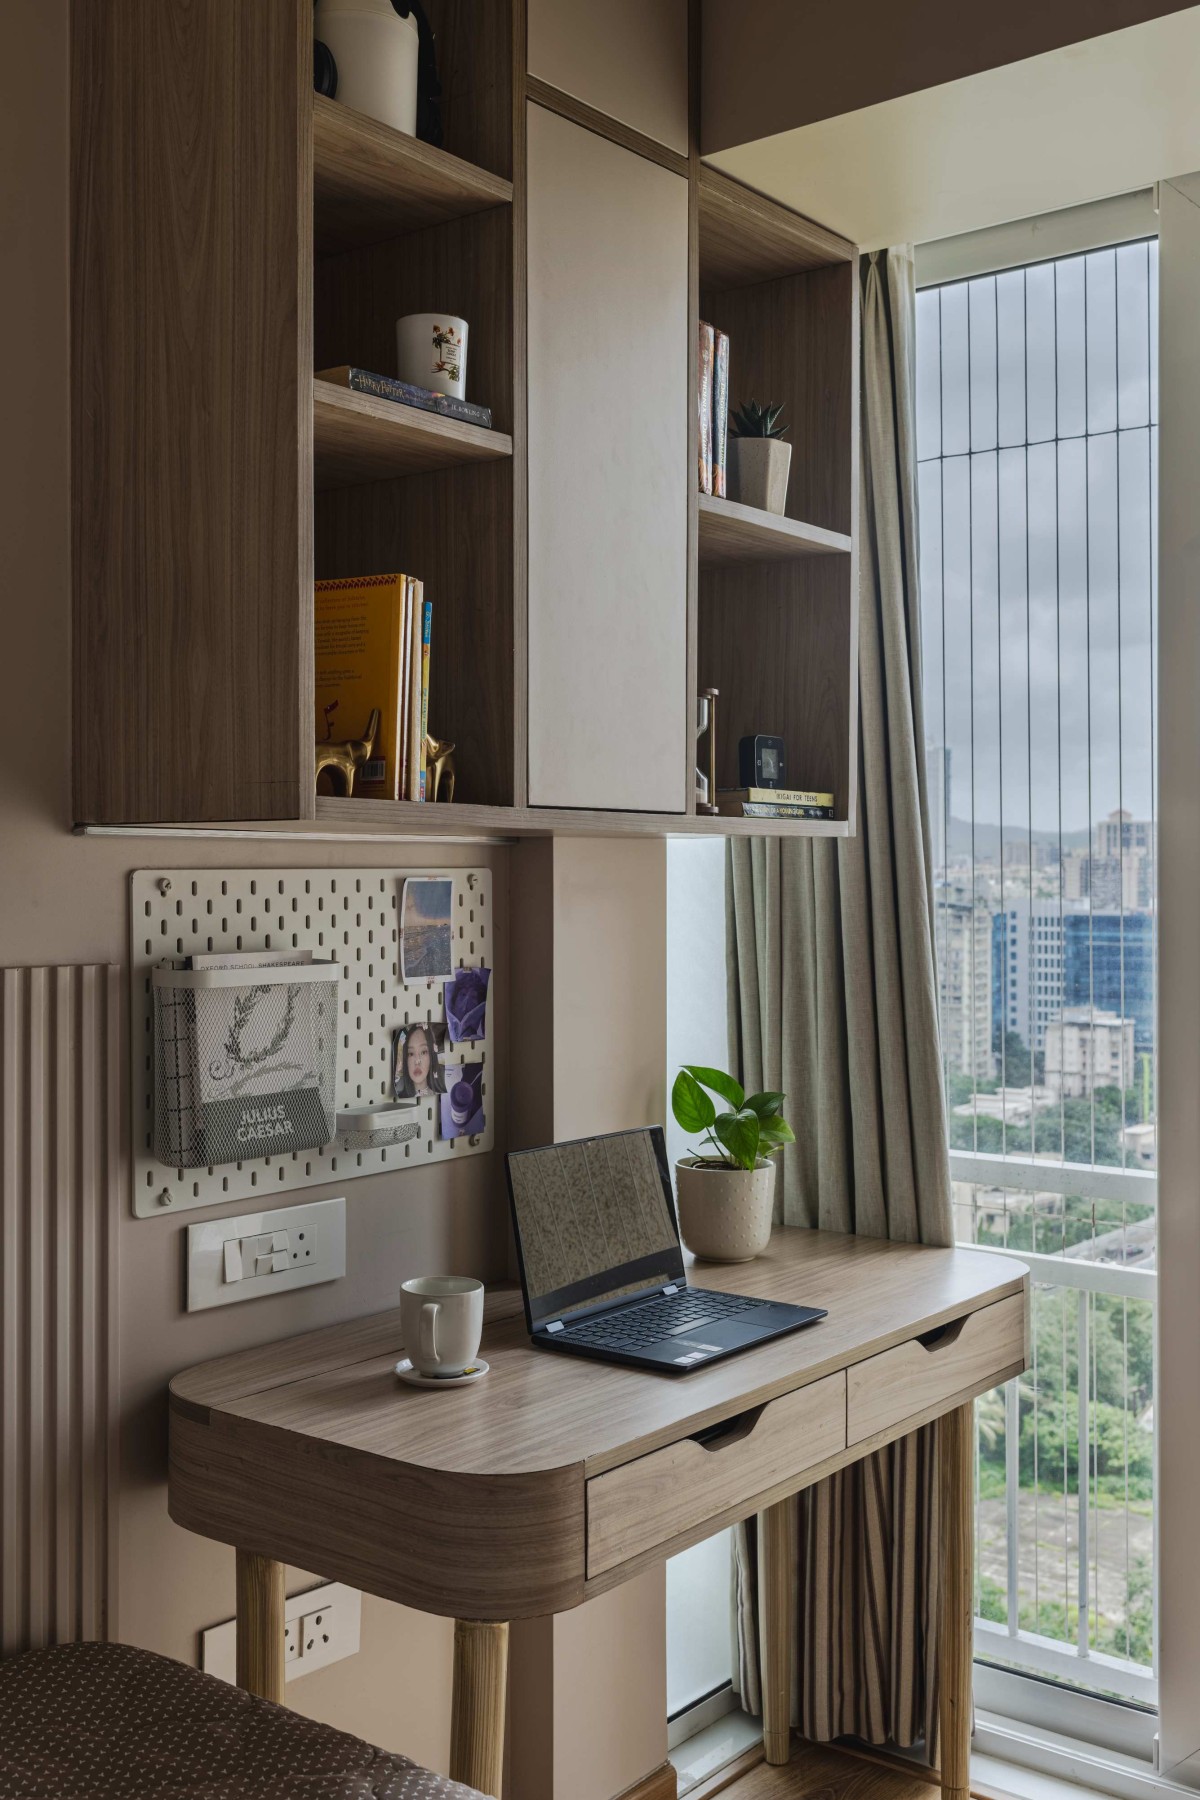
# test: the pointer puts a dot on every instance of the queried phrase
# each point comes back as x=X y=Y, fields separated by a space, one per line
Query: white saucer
x=476 y=1372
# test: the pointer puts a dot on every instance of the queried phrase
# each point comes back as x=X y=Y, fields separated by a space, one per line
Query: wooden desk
x=557 y=1478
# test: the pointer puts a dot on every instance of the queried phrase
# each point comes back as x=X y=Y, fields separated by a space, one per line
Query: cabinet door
x=608 y=474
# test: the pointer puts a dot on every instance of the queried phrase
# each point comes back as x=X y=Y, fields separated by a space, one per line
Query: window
x=1037 y=445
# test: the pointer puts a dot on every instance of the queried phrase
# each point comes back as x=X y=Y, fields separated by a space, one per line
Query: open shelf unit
x=320 y=228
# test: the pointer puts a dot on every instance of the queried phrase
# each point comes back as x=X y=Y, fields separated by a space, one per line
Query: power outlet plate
x=265 y=1253
x=320 y=1627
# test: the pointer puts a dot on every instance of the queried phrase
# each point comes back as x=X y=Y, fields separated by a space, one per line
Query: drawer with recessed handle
x=964 y=1357
x=676 y=1490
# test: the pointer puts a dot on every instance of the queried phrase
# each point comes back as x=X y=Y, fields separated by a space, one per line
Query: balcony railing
x=1065 y=1535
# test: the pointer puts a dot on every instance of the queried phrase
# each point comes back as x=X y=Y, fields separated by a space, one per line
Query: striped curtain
x=833 y=1001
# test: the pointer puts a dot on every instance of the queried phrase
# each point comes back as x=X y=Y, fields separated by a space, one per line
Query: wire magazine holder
x=243 y=1067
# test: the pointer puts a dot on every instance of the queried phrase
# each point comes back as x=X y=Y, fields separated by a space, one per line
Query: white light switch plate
x=313 y=1240
x=332 y=1615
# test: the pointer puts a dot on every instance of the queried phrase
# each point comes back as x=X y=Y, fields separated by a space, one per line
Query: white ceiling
x=1098 y=118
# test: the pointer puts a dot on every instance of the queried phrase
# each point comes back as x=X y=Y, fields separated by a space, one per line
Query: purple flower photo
x=466 y=1005
x=461 y=1106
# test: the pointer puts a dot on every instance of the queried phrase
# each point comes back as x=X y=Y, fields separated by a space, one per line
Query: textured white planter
x=725 y=1214
x=759 y=469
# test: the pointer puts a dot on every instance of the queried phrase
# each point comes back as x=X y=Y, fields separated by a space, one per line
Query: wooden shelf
x=746 y=238
x=372 y=183
x=358 y=438
x=407 y=818
x=731 y=533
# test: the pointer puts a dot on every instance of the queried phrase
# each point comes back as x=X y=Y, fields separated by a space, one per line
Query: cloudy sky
x=1036 y=434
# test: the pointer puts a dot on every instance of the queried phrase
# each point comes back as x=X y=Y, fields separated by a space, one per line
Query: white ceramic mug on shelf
x=431 y=352
x=442 y=1320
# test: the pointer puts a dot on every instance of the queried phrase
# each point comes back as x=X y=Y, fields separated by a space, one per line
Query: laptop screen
x=593 y=1220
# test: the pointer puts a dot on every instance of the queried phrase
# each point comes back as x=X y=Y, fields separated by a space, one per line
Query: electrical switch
x=233 y=1259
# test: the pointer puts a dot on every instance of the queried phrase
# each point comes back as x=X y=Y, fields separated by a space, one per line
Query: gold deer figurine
x=439 y=769
x=344 y=760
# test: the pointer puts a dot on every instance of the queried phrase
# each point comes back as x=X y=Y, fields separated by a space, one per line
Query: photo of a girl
x=417 y=1061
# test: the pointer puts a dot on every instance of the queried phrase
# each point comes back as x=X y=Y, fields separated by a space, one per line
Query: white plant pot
x=725 y=1215
x=431 y=352
x=759 y=469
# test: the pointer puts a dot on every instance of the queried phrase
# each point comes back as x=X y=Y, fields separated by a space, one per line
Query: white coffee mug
x=442 y=1320
x=431 y=352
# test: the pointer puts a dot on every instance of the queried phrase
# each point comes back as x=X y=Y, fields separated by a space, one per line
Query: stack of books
x=712 y=400
x=372 y=650
x=777 y=803
x=405 y=393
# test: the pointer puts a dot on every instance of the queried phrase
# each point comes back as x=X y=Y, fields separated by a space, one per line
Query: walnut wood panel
x=476 y=66
x=778 y=641
x=454 y=530
x=653 y=1500
x=886 y=1390
x=732 y=533
x=956 y=1599
x=746 y=238
x=777 y=1539
x=357 y=437
x=660 y=1784
x=191 y=437
x=371 y=182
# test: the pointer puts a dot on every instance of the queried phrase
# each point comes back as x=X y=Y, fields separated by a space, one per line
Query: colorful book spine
x=405 y=393
x=758 y=809
x=414 y=698
x=720 y=424
x=704 y=399
x=359 y=666
x=426 y=631
x=779 y=796
x=405 y=686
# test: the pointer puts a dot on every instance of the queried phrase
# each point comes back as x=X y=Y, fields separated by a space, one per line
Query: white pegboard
x=349 y=915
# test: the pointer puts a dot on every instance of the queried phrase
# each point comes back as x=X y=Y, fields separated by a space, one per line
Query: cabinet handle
x=943 y=1335
x=729 y=1431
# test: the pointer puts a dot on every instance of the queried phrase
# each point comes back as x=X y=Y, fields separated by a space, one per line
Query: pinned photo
x=462 y=1103
x=426 y=930
x=417 y=1053
x=466 y=1005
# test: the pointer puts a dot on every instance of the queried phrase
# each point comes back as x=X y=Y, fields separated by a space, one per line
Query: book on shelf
x=704 y=401
x=761 y=809
x=720 y=416
x=359 y=665
x=405 y=393
x=778 y=796
x=426 y=633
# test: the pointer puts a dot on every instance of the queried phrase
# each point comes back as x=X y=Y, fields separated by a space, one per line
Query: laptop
x=601 y=1265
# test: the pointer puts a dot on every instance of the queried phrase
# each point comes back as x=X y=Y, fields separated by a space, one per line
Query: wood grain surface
x=477 y=1714
x=259 y=1630
x=956 y=1601
x=310 y=1450
x=886 y=1389
x=358 y=437
x=732 y=533
x=371 y=182
x=746 y=238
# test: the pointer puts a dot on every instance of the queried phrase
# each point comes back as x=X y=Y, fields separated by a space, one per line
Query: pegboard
x=351 y=916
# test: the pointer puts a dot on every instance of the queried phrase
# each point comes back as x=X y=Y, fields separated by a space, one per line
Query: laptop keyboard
x=669 y=1315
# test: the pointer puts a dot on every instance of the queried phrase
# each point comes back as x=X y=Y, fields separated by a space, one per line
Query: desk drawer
x=903 y=1382
x=653 y=1500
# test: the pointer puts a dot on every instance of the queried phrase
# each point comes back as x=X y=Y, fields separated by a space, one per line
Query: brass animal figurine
x=439 y=769
x=344 y=760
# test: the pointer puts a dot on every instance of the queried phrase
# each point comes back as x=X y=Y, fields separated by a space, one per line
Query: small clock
x=761 y=762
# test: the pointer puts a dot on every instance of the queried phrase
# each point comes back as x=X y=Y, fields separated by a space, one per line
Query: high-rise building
x=1108 y=962
x=1122 y=832
x=1027 y=967
x=963 y=930
x=1116 y=882
x=937 y=792
x=1088 y=1049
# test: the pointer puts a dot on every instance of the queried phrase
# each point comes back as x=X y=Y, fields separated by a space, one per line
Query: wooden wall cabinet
x=232 y=232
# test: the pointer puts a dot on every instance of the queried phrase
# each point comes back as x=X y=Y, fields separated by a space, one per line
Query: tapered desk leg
x=956 y=1458
x=477 y=1708
x=259 y=1629
x=776 y=1548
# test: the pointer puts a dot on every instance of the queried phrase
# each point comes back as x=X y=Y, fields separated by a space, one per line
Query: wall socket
x=320 y=1626
x=265 y=1252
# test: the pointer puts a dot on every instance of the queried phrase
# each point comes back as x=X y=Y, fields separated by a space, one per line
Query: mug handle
x=427 y=1331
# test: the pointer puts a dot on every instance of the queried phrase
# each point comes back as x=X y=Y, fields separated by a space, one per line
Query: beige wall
x=770 y=65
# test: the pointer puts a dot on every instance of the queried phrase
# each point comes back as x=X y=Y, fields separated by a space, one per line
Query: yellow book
x=359 y=664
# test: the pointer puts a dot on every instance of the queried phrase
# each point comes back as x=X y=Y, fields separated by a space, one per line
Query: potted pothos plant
x=759 y=460
x=726 y=1188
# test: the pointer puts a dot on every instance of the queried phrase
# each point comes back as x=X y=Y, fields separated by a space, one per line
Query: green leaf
x=719 y=1082
x=774 y=1134
x=738 y=1133
x=693 y=1109
x=766 y=1105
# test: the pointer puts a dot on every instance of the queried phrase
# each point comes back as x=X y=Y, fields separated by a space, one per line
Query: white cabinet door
x=608 y=474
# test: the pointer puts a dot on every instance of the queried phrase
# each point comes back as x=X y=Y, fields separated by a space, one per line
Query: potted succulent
x=759 y=460
x=726 y=1190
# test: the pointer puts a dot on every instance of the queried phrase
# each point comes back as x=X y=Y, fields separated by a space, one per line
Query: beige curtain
x=833 y=1000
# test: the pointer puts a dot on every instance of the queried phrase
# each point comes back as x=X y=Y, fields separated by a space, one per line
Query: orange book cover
x=359 y=665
